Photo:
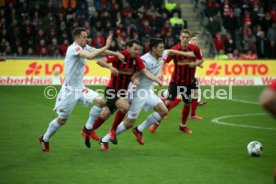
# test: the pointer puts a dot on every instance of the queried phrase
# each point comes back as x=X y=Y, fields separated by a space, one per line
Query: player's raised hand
x=108 y=40
x=114 y=71
x=192 y=65
x=190 y=54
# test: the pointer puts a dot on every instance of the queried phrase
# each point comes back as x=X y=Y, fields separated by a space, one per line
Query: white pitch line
x=217 y=121
x=244 y=101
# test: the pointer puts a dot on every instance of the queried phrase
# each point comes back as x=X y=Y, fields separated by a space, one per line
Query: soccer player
x=73 y=89
x=142 y=96
x=116 y=89
x=268 y=98
x=183 y=78
x=197 y=98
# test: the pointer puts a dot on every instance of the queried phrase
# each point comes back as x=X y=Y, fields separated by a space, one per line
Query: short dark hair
x=194 y=34
x=185 y=31
x=77 y=31
x=154 y=42
x=130 y=43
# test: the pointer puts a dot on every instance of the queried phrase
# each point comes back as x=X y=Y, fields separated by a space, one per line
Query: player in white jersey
x=143 y=95
x=73 y=89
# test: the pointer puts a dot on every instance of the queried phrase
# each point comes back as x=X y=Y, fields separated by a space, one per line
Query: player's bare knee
x=163 y=112
x=105 y=114
x=129 y=123
x=125 y=109
x=99 y=101
x=61 y=121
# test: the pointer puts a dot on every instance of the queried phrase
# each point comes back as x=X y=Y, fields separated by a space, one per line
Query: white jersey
x=74 y=66
x=153 y=65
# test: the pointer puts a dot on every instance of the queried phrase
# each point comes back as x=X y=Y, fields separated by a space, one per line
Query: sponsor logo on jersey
x=126 y=72
x=183 y=62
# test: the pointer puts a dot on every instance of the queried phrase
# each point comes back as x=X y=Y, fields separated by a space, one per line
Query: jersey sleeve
x=76 y=50
x=140 y=64
x=89 y=48
x=164 y=54
x=168 y=58
x=198 y=53
x=112 y=59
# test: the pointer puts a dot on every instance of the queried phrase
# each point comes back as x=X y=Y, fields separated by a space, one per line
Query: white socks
x=120 y=129
x=53 y=127
x=151 y=119
x=93 y=115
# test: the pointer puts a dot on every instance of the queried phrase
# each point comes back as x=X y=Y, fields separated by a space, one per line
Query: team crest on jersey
x=78 y=49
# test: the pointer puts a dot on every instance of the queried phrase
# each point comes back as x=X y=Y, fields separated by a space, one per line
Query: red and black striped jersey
x=126 y=69
x=182 y=73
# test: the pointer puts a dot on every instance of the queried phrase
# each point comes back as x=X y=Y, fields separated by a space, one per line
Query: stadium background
x=238 y=41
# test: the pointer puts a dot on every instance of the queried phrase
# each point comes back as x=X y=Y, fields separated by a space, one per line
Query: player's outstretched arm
x=160 y=72
x=181 y=53
x=150 y=76
x=96 y=52
x=117 y=54
x=103 y=63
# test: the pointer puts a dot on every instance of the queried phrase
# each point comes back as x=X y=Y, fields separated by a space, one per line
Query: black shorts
x=195 y=84
x=111 y=96
x=183 y=90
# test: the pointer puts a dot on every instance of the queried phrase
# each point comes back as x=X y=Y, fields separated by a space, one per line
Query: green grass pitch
x=213 y=153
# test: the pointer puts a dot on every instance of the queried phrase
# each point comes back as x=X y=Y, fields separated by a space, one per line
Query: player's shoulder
x=192 y=46
x=177 y=46
x=146 y=56
x=74 y=47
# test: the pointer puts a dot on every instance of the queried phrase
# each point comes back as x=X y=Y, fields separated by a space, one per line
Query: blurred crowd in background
x=240 y=29
x=44 y=27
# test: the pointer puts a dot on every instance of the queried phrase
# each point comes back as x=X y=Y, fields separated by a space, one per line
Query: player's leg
x=194 y=105
x=199 y=101
x=91 y=97
x=65 y=103
x=160 y=112
x=172 y=95
x=187 y=99
x=110 y=107
x=132 y=114
x=123 y=107
x=113 y=104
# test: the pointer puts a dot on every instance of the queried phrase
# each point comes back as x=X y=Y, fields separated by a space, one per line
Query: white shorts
x=147 y=100
x=67 y=99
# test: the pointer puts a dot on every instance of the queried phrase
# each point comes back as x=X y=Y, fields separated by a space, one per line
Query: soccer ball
x=255 y=148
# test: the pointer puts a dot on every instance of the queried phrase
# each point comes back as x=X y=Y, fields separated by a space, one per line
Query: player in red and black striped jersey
x=116 y=89
x=183 y=77
x=126 y=69
x=197 y=97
